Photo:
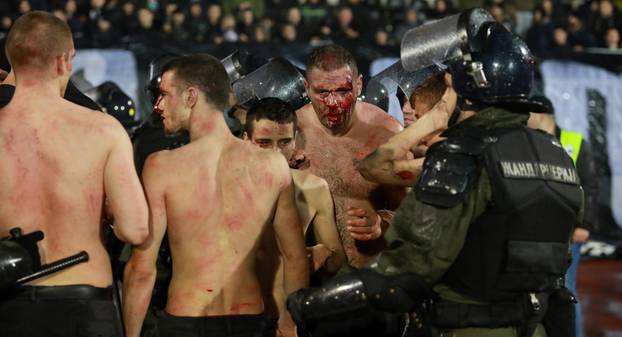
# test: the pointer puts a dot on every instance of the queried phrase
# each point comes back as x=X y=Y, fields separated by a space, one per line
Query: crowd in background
x=547 y=26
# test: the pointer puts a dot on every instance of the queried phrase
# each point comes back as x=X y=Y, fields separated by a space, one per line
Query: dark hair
x=430 y=91
x=270 y=108
x=205 y=72
x=331 y=57
x=36 y=37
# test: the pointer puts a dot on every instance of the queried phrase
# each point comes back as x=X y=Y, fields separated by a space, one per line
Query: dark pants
x=215 y=326
x=374 y=324
x=59 y=311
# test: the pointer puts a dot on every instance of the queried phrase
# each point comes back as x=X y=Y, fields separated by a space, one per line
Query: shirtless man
x=60 y=161
x=336 y=133
x=432 y=104
x=215 y=197
x=271 y=124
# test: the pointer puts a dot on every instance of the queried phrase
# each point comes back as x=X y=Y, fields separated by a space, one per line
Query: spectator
x=288 y=33
x=197 y=26
x=104 y=35
x=260 y=35
x=214 y=14
x=5 y=25
x=128 y=22
x=343 y=30
x=246 y=24
x=560 y=41
x=498 y=11
x=294 y=18
x=579 y=37
x=24 y=7
x=606 y=18
x=227 y=26
x=76 y=25
x=440 y=10
x=411 y=20
x=176 y=27
x=539 y=35
x=612 y=39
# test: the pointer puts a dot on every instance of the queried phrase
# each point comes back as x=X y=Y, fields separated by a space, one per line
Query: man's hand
x=286 y=331
x=363 y=225
x=318 y=255
x=298 y=160
x=580 y=235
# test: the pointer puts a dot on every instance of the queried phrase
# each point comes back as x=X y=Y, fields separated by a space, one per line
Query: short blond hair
x=35 y=38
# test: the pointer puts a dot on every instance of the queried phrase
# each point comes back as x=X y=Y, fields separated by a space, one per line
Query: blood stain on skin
x=406 y=175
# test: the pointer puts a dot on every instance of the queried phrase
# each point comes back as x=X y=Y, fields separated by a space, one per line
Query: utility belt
x=554 y=309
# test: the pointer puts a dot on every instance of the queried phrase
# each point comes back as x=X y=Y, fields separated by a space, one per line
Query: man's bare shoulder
x=260 y=159
x=305 y=113
x=379 y=118
x=158 y=161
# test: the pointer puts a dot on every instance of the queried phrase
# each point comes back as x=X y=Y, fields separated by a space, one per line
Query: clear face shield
x=445 y=41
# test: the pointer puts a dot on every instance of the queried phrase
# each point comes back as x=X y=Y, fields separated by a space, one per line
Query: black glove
x=357 y=292
x=19 y=256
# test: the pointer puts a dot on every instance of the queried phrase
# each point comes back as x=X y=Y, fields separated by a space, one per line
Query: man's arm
x=140 y=272
x=289 y=236
x=124 y=194
x=392 y=163
x=325 y=229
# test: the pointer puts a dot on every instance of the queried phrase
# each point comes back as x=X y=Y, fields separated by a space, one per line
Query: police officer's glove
x=19 y=256
x=399 y=293
x=357 y=292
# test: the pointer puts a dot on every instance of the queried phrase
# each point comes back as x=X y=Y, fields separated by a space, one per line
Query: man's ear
x=245 y=136
x=192 y=97
x=359 y=85
x=306 y=84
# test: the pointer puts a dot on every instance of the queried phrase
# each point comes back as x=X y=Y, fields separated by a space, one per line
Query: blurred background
x=577 y=44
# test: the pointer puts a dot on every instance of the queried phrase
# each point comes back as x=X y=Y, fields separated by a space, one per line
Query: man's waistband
x=66 y=292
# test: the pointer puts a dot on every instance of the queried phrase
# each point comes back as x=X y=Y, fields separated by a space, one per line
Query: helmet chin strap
x=453 y=119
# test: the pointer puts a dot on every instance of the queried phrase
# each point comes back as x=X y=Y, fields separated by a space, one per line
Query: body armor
x=520 y=244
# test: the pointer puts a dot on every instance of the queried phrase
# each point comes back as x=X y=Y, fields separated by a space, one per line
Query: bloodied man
x=215 y=197
x=60 y=161
x=271 y=124
x=337 y=132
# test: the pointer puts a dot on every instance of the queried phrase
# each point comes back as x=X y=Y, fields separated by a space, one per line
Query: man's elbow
x=134 y=233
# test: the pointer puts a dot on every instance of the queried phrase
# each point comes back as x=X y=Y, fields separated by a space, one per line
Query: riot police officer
x=488 y=223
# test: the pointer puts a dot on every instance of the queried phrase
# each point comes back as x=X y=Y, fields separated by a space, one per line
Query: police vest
x=571 y=141
x=520 y=243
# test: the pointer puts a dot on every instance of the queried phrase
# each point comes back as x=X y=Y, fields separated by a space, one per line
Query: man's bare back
x=59 y=160
x=216 y=196
x=334 y=158
x=218 y=204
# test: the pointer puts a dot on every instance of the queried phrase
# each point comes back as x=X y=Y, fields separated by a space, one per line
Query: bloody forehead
x=341 y=79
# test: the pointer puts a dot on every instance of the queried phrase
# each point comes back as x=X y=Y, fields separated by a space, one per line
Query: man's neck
x=548 y=125
x=30 y=85
x=208 y=123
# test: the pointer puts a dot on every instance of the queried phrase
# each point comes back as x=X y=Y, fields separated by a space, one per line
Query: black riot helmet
x=499 y=71
x=117 y=103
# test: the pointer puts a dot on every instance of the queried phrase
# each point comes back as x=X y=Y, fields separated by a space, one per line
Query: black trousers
x=215 y=326
x=373 y=324
x=59 y=311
